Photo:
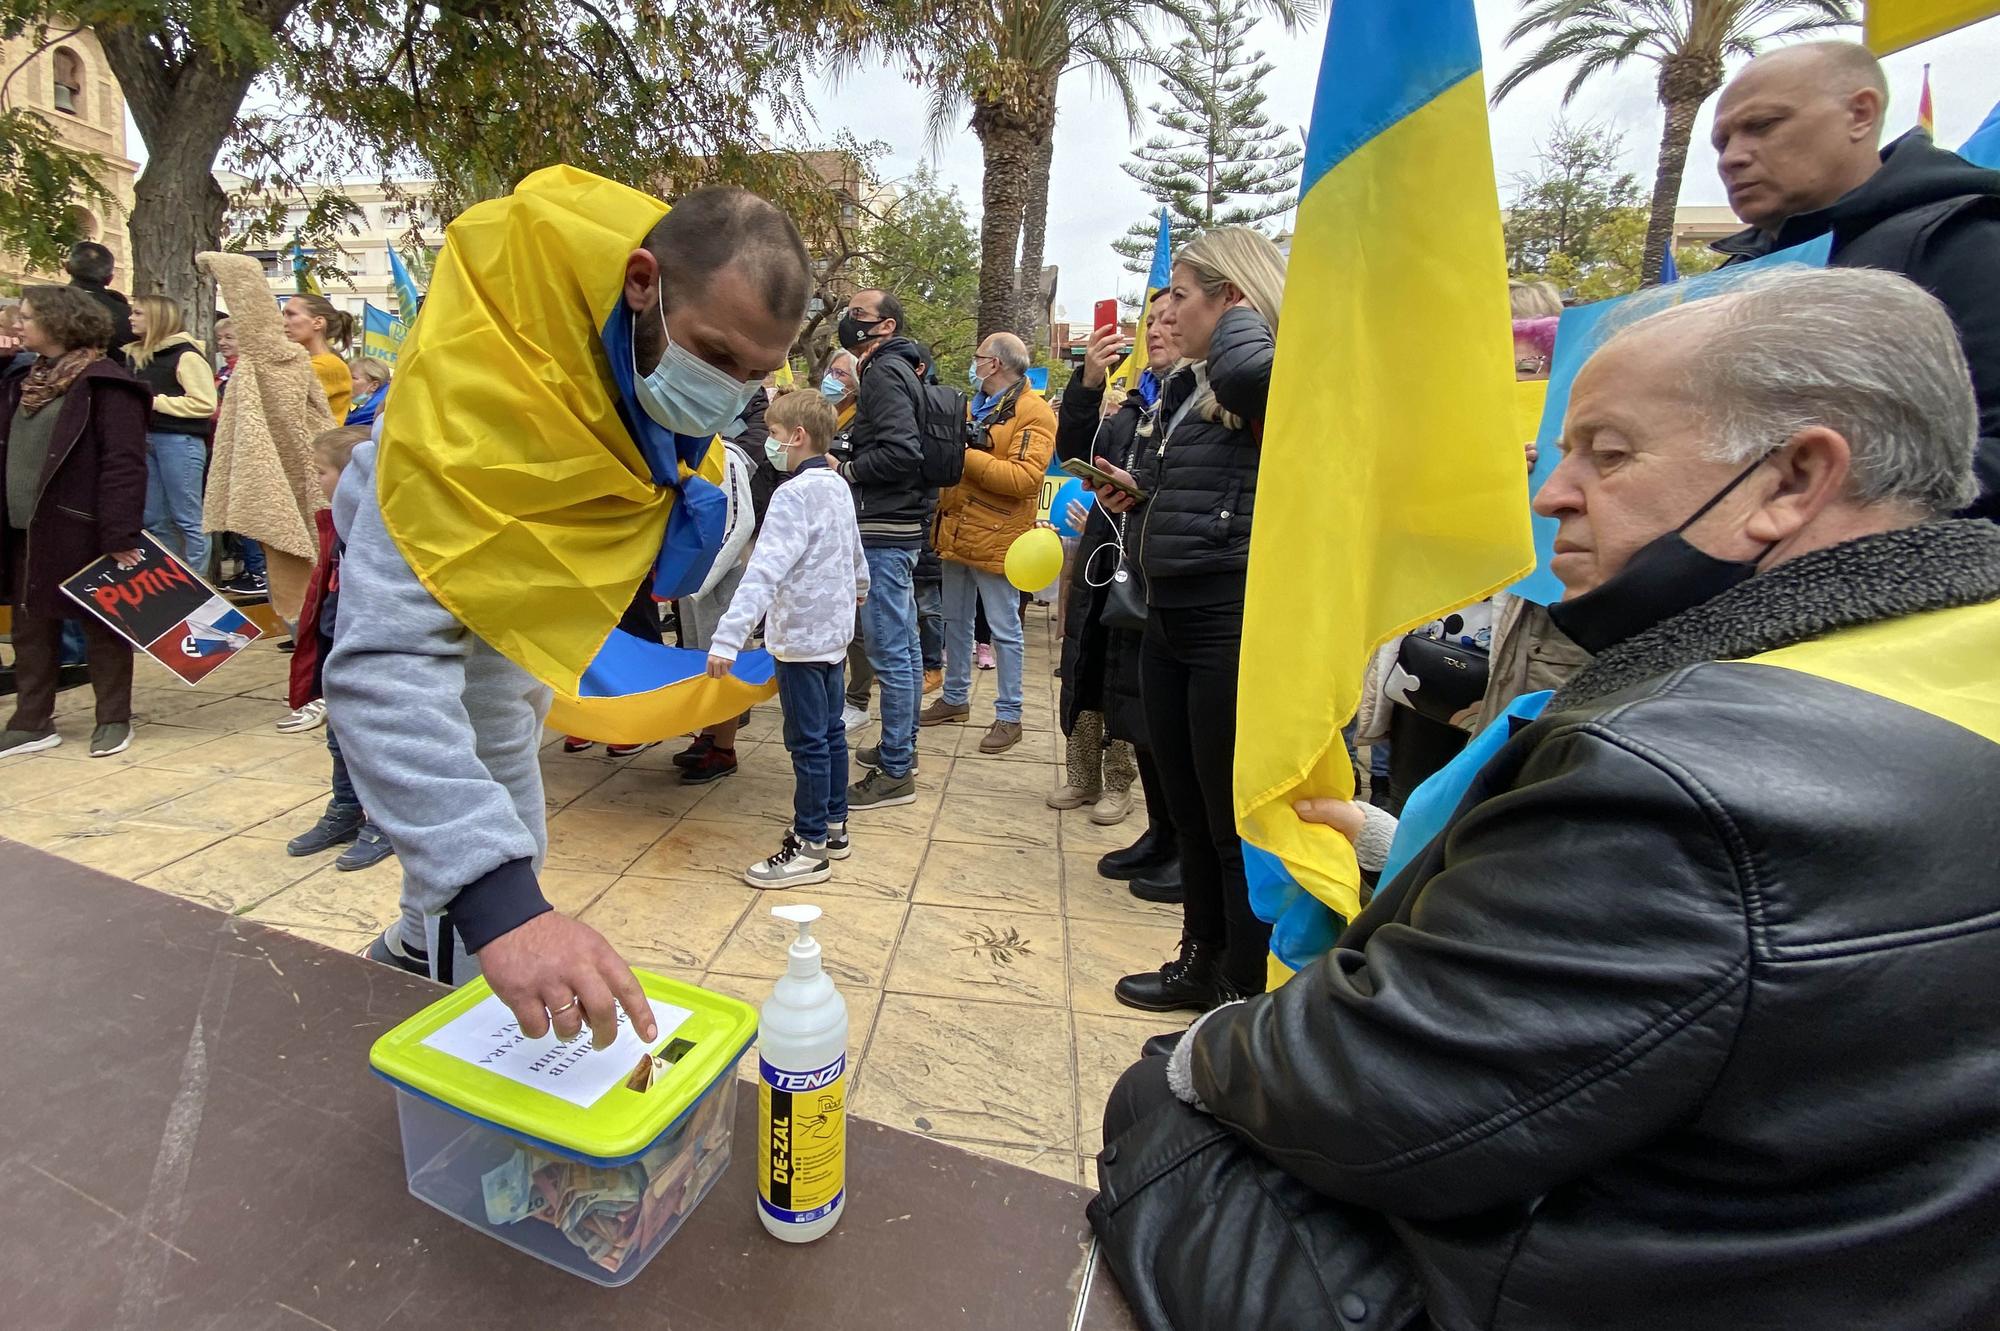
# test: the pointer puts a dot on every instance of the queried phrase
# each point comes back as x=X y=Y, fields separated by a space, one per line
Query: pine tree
x=1220 y=161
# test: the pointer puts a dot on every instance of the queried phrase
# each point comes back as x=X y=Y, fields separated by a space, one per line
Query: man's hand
x=1106 y=349
x=557 y=968
x=127 y=558
x=718 y=667
x=1113 y=498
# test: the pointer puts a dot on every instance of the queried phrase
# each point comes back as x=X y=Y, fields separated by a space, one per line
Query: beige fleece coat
x=261 y=480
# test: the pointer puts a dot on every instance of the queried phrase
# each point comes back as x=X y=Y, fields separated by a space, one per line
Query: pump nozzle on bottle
x=804 y=951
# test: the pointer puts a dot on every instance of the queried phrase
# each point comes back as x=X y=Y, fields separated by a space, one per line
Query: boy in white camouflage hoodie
x=805 y=576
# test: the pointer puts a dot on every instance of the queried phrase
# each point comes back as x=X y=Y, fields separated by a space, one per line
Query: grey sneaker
x=879 y=790
x=107 y=740
x=796 y=863
x=391 y=949
x=15 y=742
x=370 y=847
x=335 y=827
x=871 y=756
x=838 y=844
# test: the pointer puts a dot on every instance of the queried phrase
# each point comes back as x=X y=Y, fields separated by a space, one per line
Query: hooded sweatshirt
x=1935 y=218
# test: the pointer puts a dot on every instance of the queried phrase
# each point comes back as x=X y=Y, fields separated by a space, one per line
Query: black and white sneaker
x=391 y=949
x=796 y=863
x=838 y=847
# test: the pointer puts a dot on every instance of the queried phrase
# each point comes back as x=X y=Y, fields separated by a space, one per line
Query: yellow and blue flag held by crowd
x=381 y=335
x=1392 y=487
x=1891 y=25
x=408 y=299
x=528 y=492
x=1125 y=377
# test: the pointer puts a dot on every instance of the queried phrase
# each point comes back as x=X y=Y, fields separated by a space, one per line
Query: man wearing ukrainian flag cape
x=548 y=448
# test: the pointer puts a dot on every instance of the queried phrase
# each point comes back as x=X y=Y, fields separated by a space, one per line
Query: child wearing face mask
x=805 y=578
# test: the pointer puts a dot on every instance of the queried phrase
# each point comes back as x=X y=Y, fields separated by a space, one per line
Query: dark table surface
x=193 y=1139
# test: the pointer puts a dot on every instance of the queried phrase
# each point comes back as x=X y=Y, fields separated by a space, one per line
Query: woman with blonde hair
x=1195 y=478
x=370 y=376
x=262 y=482
x=171 y=364
x=327 y=333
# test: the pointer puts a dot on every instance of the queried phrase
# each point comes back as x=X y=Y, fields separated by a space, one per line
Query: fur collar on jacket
x=1933 y=566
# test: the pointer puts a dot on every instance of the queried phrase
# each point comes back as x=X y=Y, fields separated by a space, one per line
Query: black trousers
x=1157 y=819
x=1187 y=672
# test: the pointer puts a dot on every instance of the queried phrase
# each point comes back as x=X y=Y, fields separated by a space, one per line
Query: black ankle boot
x=1154 y=850
x=1187 y=983
x=1161 y=885
x=1225 y=992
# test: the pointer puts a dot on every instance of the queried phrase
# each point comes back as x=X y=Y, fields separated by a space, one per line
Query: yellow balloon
x=1034 y=559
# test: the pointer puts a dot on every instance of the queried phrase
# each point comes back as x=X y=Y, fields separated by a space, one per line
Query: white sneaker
x=796 y=863
x=310 y=717
x=853 y=717
x=1112 y=808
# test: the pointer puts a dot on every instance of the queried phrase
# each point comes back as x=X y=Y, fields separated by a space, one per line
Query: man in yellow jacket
x=1012 y=434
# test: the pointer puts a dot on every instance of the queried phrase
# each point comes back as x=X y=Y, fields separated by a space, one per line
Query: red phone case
x=1107 y=315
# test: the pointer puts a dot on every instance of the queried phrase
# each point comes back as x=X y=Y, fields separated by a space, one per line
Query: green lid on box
x=466 y=1052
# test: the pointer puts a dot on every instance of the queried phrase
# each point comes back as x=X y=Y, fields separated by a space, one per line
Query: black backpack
x=941 y=432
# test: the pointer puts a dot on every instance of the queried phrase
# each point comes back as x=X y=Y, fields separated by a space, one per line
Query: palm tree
x=1687 y=39
x=1003 y=59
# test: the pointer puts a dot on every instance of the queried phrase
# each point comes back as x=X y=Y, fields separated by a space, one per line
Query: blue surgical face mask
x=972 y=374
x=831 y=388
x=686 y=394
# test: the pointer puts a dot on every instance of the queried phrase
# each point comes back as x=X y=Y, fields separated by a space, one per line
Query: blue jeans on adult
x=812 y=693
x=345 y=798
x=890 y=628
x=930 y=623
x=176 y=469
x=965 y=590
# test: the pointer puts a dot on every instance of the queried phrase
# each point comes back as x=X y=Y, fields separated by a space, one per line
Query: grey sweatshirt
x=440 y=732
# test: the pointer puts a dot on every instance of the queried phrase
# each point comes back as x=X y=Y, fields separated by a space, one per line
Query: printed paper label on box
x=487 y=1036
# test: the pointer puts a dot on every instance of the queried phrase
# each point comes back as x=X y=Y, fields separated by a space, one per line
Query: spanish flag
x=1891 y=25
x=1392 y=487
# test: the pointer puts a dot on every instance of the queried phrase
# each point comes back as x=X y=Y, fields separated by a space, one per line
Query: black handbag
x=1450 y=676
x=1124 y=595
x=1204 y=1234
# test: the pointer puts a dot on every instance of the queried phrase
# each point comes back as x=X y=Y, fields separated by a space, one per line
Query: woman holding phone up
x=1197 y=487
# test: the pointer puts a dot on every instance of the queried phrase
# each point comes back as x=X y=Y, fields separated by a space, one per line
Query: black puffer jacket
x=1193 y=531
x=891 y=501
x=1100 y=665
x=1935 y=218
x=1687 y=1019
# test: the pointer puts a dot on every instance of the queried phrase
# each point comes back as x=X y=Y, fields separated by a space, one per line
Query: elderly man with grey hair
x=1686 y=1018
x=1010 y=438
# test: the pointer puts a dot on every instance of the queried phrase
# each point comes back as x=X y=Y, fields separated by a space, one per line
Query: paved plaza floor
x=970 y=933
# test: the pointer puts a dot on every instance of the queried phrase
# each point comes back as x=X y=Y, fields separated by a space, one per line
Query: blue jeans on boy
x=965 y=589
x=253 y=556
x=812 y=693
x=176 y=470
x=345 y=800
x=890 y=627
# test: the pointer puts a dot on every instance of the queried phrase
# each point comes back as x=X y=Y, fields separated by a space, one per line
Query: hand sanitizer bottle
x=802 y=1094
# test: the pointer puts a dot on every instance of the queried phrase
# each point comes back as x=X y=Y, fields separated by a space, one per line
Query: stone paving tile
x=977 y=908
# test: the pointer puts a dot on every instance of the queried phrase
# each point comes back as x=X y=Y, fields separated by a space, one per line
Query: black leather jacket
x=1688 y=1018
x=1193 y=532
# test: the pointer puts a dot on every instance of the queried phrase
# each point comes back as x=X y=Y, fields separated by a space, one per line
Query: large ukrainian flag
x=1891 y=25
x=1392 y=486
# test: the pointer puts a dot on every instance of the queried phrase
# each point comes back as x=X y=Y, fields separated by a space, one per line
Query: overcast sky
x=1091 y=201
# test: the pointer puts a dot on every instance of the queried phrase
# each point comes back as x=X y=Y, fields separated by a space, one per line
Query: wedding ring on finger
x=573 y=1001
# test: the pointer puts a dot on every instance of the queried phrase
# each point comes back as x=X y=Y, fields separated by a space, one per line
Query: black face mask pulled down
x=1662 y=578
x=852 y=332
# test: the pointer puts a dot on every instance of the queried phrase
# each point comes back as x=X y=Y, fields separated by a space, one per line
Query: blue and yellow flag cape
x=526 y=493
x=1391 y=488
